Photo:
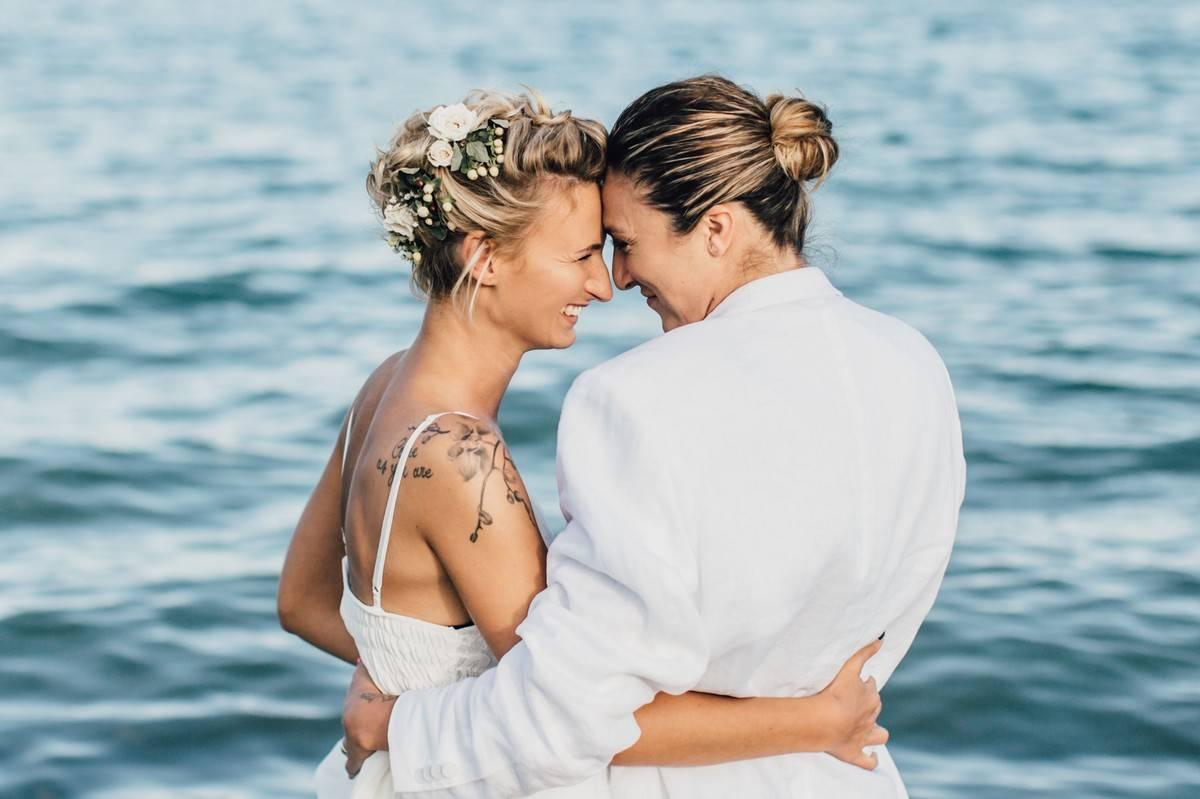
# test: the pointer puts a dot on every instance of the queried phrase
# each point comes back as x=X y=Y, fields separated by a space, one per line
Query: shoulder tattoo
x=475 y=449
x=478 y=450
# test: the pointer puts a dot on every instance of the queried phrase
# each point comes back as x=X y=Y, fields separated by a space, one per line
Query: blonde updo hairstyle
x=543 y=151
x=692 y=144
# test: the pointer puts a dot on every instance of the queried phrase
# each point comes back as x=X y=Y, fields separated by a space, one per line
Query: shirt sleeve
x=617 y=623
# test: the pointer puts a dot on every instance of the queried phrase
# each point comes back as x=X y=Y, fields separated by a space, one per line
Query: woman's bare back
x=386 y=413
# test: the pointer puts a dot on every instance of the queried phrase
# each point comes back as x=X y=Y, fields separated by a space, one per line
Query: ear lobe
x=477 y=255
x=718 y=229
x=484 y=268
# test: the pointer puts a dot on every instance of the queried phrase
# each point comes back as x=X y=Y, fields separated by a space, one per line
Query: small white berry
x=498 y=146
x=416 y=257
x=493 y=171
x=447 y=206
x=422 y=211
x=428 y=221
x=499 y=159
x=472 y=174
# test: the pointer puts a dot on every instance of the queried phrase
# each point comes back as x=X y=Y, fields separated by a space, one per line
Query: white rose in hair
x=400 y=220
x=452 y=122
x=441 y=153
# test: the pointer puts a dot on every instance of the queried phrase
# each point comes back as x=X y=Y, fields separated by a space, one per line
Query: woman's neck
x=464 y=364
x=762 y=263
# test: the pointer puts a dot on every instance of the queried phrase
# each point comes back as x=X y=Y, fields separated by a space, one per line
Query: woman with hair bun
x=708 y=189
x=420 y=550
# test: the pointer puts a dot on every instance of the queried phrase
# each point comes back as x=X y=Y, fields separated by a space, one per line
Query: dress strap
x=346 y=440
x=385 y=531
x=345 y=487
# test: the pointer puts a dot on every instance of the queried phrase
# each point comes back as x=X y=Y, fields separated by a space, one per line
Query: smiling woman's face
x=650 y=255
x=558 y=270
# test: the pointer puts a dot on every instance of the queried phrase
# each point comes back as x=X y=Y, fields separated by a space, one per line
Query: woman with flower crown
x=420 y=550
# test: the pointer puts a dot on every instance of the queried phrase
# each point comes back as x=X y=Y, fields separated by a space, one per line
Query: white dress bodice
x=403 y=653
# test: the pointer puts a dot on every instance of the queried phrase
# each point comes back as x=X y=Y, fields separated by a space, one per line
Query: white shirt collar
x=794 y=284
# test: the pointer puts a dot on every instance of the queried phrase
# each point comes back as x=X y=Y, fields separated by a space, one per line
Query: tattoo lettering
x=376 y=696
x=388 y=471
x=387 y=466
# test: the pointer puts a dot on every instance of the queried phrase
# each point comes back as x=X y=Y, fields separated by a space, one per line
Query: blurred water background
x=192 y=288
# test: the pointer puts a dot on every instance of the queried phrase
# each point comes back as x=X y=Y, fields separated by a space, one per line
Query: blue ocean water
x=192 y=288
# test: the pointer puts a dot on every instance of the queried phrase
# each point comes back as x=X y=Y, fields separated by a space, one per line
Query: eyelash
x=623 y=246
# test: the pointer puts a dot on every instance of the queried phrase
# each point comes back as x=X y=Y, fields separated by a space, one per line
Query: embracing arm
x=699 y=729
x=616 y=626
x=310 y=584
x=479 y=520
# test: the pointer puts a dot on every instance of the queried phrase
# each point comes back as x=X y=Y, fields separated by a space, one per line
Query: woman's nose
x=598 y=285
x=620 y=274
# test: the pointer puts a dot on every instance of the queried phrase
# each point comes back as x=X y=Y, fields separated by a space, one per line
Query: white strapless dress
x=402 y=653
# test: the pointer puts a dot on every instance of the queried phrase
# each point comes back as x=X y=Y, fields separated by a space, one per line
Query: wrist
x=383 y=721
x=817 y=727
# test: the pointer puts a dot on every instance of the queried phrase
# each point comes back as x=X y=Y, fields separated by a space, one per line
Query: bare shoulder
x=378 y=379
x=471 y=484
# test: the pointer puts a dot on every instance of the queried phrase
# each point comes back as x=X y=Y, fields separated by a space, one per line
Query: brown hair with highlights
x=694 y=143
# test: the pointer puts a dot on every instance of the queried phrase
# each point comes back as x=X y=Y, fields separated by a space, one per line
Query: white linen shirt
x=749 y=499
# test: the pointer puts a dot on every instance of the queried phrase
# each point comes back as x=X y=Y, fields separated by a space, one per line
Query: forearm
x=698 y=729
x=324 y=629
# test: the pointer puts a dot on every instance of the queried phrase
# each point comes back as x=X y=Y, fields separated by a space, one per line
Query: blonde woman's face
x=559 y=270
x=649 y=255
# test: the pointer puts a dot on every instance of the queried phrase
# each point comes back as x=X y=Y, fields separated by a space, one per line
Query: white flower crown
x=463 y=142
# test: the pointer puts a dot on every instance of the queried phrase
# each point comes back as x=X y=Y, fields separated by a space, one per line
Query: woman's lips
x=571 y=313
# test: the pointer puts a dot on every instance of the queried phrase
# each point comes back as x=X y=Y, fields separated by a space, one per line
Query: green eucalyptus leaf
x=457 y=159
x=477 y=151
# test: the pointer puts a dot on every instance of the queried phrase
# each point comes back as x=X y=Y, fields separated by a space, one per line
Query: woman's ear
x=717 y=226
x=477 y=254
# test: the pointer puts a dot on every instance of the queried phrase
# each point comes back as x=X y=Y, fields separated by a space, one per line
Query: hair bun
x=801 y=136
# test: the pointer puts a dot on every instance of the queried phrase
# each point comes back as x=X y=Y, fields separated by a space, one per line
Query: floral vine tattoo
x=476 y=450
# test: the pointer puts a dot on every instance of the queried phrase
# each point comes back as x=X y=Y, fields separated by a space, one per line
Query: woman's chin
x=564 y=339
x=563 y=334
x=556 y=340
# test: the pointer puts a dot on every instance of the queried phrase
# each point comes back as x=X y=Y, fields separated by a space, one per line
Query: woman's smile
x=571 y=312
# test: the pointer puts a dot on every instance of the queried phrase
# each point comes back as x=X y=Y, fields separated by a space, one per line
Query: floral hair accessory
x=463 y=143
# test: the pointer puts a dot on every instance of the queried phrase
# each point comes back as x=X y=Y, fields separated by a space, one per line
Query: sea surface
x=192 y=288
